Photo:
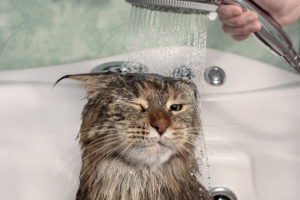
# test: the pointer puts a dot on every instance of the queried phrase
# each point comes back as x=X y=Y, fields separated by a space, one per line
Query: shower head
x=271 y=34
x=177 y=6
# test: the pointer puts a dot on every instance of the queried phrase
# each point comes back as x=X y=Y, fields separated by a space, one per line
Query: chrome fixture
x=178 y=6
x=121 y=67
x=222 y=193
x=214 y=76
x=271 y=34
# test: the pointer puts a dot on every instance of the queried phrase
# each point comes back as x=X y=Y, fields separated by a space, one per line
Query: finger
x=244 y=19
x=240 y=37
x=244 y=30
x=289 y=17
x=228 y=11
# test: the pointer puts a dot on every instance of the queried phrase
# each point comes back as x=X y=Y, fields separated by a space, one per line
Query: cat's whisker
x=102 y=156
x=94 y=163
x=102 y=148
x=98 y=143
x=189 y=128
x=107 y=131
x=185 y=141
x=223 y=141
x=103 y=136
x=218 y=128
x=184 y=148
x=65 y=165
x=189 y=142
x=111 y=124
x=65 y=151
x=192 y=133
x=91 y=166
x=75 y=154
x=116 y=126
x=222 y=125
x=119 y=139
x=101 y=132
x=122 y=151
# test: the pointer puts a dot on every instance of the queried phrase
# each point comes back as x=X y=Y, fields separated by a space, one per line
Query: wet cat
x=137 y=138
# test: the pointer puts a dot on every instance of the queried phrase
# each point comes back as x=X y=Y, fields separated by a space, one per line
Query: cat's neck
x=113 y=179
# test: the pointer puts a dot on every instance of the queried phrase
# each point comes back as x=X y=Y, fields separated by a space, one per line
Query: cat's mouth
x=150 y=154
x=163 y=145
x=156 y=147
x=156 y=143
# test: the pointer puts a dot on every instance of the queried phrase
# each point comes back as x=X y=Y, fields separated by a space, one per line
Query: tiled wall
x=35 y=33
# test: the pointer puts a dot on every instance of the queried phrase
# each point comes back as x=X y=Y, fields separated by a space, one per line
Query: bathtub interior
x=250 y=124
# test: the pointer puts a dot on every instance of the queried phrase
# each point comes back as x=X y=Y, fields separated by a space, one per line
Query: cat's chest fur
x=115 y=180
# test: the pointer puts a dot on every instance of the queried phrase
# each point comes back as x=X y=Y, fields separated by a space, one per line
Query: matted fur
x=134 y=145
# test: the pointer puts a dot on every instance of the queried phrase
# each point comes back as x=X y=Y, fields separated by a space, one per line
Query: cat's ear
x=93 y=82
x=192 y=88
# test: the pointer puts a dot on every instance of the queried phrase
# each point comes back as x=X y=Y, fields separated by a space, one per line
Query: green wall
x=251 y=47
x=35 y=33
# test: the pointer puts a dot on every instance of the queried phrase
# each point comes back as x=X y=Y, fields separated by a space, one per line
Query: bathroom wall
x=35 y=33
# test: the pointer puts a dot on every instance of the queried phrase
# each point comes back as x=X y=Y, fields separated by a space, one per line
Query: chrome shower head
x=177 y=6
x=271 y=34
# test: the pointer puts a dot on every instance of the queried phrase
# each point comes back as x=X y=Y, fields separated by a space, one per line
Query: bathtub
x=251 y=126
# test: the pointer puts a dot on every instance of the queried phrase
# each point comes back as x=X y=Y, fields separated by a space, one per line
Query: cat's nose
x=160 y=120
x=161 y=127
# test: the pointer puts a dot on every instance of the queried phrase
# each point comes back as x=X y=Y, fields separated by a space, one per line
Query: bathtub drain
x=222 y=193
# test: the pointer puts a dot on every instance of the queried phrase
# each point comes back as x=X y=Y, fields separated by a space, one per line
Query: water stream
x=154 y=29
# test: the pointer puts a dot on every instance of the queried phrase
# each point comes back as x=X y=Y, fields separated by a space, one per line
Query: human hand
x=237 y=23
x=240 y=24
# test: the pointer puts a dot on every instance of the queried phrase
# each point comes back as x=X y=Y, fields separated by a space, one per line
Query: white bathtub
x=251 y=125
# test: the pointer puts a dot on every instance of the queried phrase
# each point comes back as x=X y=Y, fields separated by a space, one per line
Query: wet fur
x=117 y=119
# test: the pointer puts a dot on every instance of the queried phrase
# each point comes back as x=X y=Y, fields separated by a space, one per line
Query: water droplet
x=212 y=16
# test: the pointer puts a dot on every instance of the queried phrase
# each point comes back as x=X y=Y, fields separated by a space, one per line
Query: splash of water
x=155 y=29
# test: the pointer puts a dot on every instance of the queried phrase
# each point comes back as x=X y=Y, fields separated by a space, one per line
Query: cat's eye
x=140 y=105
x=176 y=107
x=143 y=109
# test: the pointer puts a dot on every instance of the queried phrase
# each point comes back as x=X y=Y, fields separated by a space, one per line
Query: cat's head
x=143 y=119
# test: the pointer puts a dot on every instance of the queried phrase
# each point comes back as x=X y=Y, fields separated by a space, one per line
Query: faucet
x=271 y=34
